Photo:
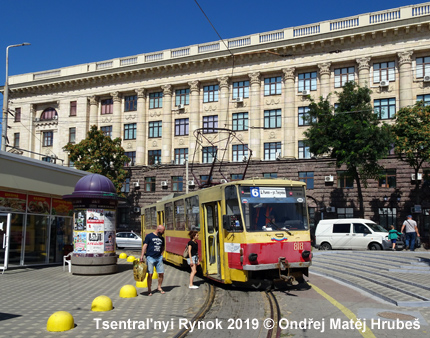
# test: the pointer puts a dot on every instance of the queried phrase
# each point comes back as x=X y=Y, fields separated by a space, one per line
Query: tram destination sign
x=265 y=192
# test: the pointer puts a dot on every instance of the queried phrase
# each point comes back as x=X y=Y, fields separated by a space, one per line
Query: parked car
x=128 y=240
x=351 y=233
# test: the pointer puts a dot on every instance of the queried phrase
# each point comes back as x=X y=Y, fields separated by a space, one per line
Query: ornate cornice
x=289 y=73
x=167 y=90
x=141 y=93
x=224 y=82
x=405 y=57
x=116 y=96
x=363 y=63
x=255 y=78
x=324 y=68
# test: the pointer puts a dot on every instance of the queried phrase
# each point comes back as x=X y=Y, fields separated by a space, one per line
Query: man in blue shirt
x=153 y=248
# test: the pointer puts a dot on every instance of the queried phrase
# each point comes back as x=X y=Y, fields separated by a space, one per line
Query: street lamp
x=5 y=96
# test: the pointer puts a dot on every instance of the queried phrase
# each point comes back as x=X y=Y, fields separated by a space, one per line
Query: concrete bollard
x=60 y=321
x=101 y=304
x=122 y=255
x=128 y=291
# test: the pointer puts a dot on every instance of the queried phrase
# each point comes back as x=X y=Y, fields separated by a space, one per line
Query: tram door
x=211 y=238
x=4 y=240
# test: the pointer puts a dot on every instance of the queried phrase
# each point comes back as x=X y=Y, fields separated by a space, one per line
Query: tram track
x=275 y=315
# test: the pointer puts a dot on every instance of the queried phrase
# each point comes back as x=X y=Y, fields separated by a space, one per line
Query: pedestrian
x=153 y=248
x=411 y=232
x=393 y=236
x=193 y=256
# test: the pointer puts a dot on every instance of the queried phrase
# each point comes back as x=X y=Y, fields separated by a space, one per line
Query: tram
x=250 y=231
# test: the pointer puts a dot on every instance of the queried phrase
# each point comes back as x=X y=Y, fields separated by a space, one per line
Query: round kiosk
x=94 y=226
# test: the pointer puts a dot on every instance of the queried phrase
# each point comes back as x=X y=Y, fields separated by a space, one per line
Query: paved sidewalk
x=28 y=297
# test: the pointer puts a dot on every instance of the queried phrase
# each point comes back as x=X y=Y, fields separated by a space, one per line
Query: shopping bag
x=139 y=270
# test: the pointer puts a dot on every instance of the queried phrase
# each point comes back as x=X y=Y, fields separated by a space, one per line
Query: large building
x=256 y=85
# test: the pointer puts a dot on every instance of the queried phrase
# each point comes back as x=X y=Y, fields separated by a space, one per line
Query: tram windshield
x=273 y=208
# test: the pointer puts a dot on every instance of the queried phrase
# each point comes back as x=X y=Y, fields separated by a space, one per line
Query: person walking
x=153 y=248
x=411 y=232
x=393 y=236
x=193 y=256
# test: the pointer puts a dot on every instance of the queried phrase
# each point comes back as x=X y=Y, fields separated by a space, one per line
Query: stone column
x=223 y=116
x=166 y=151
x=117 y=125
x=255 y=134
x=405 y=79
x=141 y=148
x=290 y=115
x=324 y=78
x=363 y=71
x=195 y=118
x=94 y=111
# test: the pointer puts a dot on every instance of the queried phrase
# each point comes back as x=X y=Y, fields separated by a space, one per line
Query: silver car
x=128 y=240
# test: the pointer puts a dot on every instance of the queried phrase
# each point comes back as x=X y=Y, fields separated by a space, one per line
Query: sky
x=63 y=33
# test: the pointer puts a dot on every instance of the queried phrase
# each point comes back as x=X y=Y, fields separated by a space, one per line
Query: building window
x=204 y=179
x=126 y=186
x=240 y=89
x=273 y=86
x=16 y=140
x=209 y=154
x=345 y=212
x=236 y=177
x=130 y=131
x=344 y=180
x=423 y=67
x=270 y=175
x=177 y=183
x=48 y=114
x=107 y=130
x=48 y=138
x=343 y=75
x=130 y=103
x=154 y=157
x=307 y=81
x=181 y=127
x=271 y=150
x=73 y=106
x=240 y=121
x=308 y=178
x=387 y=178
x=72 y=135
x=156 y=100
x=181 y=154
x=209 y=123
x=387 y=217
x=47 y=159
x=304 y=150
x=385 y=108
x=272 y=119
x=107 y=106
x=149 y=184
x=240 y=152
x=210 y=93
x=132 y=158
x=155 y=129
x=182 y=96
x=383 y=72
x=17 y=115
x=304 y=118
x=424 y=98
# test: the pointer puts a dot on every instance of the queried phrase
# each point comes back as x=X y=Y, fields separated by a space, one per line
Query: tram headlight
x=306 y=254
x=252 y=257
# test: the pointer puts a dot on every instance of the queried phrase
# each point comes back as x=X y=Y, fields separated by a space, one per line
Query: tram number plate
x=298 y=245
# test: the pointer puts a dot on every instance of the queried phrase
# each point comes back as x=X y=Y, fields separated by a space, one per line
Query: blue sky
x=64 y=33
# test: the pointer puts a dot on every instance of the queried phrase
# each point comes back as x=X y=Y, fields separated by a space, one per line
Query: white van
x=351 y=233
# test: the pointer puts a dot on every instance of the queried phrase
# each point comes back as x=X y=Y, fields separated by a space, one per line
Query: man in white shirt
x=411 y=232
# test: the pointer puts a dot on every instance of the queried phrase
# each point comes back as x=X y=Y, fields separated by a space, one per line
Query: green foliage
x=99 y=154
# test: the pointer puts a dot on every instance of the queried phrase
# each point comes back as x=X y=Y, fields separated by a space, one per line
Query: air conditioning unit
x=136 y=210
x=223 y=181
x=416 y=209
x=181 y=106
x=278 y=155
x=37 y=119
x=238 y=99
x=136 y=185
x=164 y=184
x=306 y=92
x=384 y=83
x=420 y=177
x=330 y=209
x=426 y=78
x=191 y=183
x=56 y=117
x=329 y=179
x=244 y=158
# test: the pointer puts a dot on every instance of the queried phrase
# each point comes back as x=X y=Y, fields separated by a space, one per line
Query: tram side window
x=168 y=210
x=153 y=215
x=231 y=201
x=193 y=214
x=179 y=215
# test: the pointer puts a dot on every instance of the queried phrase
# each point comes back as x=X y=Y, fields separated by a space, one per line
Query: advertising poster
x=109 y=218
x=10 y=201
x=95 y=242
x=95 y=220
x=39 y=204
x=109 y=241
x=80 y=223
x=80 y=242
x=61 y=207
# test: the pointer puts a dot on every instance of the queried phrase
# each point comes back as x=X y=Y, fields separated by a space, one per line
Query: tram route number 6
x=298 y=245
x=255 y=192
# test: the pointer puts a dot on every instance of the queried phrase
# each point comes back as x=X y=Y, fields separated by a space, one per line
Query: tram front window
x=274 y=208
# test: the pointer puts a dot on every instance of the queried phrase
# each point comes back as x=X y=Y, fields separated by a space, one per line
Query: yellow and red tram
x=250 y=230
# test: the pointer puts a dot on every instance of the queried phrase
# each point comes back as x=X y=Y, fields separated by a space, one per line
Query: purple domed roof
x=94 y=186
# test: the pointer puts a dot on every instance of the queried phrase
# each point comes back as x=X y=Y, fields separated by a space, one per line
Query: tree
x=99 y=154
x=350 y=133
x=412 y=137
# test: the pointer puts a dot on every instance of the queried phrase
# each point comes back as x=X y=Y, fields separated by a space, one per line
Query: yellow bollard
x=60 y=321
x=155 y=274
x=101 y=304
x=143 y=284
x=131 y=259
x=128 y=291
x=122 y=255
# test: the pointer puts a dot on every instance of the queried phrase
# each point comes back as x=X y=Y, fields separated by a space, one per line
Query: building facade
x=255 y=85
